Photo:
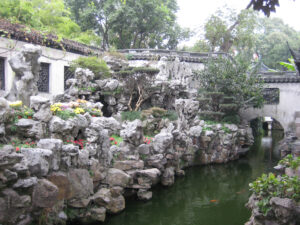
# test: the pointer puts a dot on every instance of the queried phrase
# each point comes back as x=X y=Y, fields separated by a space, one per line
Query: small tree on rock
x=138 y=82
x=227 y=86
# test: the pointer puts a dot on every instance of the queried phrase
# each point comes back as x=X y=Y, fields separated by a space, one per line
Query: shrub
x=235 y=119
x=161 y=113
x=210 y=115
x=229 y=108
x=290 y=161
x=65 y=114
x=131 y=115
x=268 y=186
x=93 y=63
x=171 y=115
x=156 y=112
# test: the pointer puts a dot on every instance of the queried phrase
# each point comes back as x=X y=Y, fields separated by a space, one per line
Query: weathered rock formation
x=26 y=66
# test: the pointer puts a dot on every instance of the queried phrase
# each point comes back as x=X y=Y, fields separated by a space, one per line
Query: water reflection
x=207 y=195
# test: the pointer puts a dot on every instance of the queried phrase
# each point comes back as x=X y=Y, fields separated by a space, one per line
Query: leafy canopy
x=232 y=77
x=96 y=65
x=134 y=24
x=50 y=16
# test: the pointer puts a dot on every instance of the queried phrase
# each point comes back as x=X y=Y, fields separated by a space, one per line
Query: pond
x=207 y=195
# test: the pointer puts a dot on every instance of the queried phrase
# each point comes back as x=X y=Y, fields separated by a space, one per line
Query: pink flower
x=111 y=139
x=148 y=142
x=116 y=143
x=17 y=149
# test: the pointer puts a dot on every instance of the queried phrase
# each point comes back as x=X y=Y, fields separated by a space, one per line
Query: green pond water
x=207 y=195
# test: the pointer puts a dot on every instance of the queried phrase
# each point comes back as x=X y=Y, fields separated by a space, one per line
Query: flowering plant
x=56 y=108
x=147 y=140
x=16 y=104
x=81 y=101
x=80 y=142
x=79 y=110
x=18 y=144
x=94 y=112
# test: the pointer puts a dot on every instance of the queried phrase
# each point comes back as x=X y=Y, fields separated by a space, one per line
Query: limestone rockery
x=56 y=180
x=71 y=170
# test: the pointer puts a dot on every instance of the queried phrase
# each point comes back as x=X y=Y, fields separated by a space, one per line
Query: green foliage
x=289 y=66
x=93 y=63
x=290 y=161
x=210 y=115
x=134 y=70
x=268 y=186
x=156 y=112
x=206 y=129
x=229 y=108
x=116 y=139
x=130 y=115
x=20 y=144
x=161 y=113
x=235 y=119
x=46 y=16
x=272 y=36
x=228 y=31
x=112 y=93
x=65 y=114
x=225 y=129
x=230 y=77
x=171 y=115
x=136 y=24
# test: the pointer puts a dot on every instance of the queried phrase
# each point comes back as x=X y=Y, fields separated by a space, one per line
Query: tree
x=227 y=31
x=138 y=83
x=136 y=24
x=232 y=78
x=272 y=39
x=46 y=16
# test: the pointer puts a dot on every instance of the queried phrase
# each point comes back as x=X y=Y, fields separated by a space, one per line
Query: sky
x=193 y=13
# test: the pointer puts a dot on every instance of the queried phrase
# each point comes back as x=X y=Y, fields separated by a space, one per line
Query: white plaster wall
x=56 y=58
x=284 y=112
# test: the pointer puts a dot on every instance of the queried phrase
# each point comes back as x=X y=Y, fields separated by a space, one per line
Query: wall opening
x=68 y=74
x=43 y=82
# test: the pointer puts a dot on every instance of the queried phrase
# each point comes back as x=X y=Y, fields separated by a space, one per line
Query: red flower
x=148 y=142
x=32 y=143
x=111 y=139
x=19 y=117
x=68 y=140
x=116 y=143
x=93 y=116
x=27 y=143
x=17 y=149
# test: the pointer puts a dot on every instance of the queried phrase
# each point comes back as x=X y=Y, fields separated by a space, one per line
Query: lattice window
x=2 y=73
x=43 y=82
x=68 y=74
x=271 y=96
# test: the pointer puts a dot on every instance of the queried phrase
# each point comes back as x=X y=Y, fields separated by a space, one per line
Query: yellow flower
x=16 y=104
x=56 y=107
x=81 y=101
x=79 y=110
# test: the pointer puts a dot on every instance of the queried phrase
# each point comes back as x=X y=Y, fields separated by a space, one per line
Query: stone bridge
x=282 y=91
x=282 y=95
